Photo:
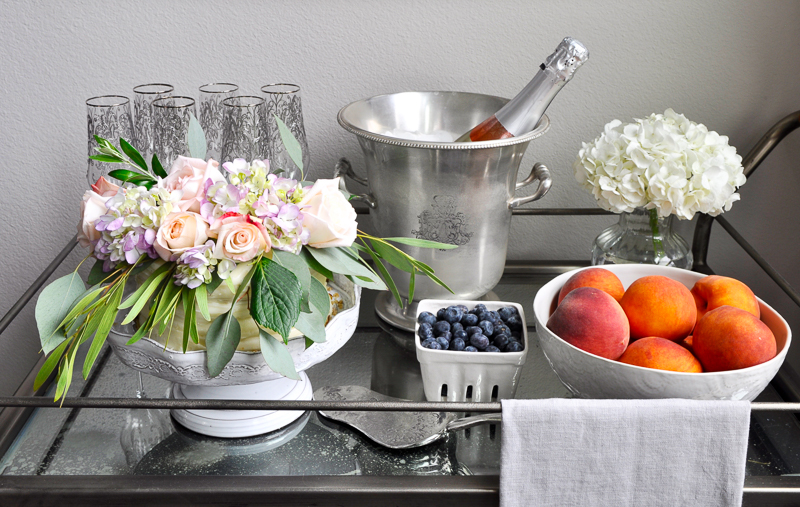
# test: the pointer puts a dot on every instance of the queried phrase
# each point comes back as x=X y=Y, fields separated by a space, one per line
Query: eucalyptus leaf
x=422 y=243
x=133 y=154
x=319 y=299
x=293 y=147
x=158 y=169
x=201 y=295
x=314 y=264
x=309 y=342
x=339 y=261
x=196 y=139
x=80 y=303
x=411 y=284
x=145 y=296
x=49 y=365
x=277 y=356
x=275 y=297
x=97 y=275
x=386 y=277
x=188 y=299
x=392 y=255
x=214 y=283
x=108 y=315
x=155 y=277
x=222 y=339
x=53 y=305
x=312 y=325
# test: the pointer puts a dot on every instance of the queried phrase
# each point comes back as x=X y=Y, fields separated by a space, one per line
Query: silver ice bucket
x=457 y=193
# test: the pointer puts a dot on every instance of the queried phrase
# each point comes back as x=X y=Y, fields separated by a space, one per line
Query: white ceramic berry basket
x=486 y=376
x=245 y=377
x=589 y=376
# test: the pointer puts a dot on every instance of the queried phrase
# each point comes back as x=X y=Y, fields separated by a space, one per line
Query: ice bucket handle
x=539 y=172
x=343 y=170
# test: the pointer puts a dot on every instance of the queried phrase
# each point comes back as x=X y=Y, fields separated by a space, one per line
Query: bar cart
x=76 y=455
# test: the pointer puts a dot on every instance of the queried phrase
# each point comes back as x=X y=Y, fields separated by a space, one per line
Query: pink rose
x=240 y=238
x=105 y=187
x=190 y=176
x=328 y=216
x=92 y=207
x=179 y=232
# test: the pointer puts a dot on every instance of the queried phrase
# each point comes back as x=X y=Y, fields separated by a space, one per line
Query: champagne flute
x=108 y=116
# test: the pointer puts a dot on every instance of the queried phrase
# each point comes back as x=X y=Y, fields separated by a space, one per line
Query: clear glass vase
x=641 y=237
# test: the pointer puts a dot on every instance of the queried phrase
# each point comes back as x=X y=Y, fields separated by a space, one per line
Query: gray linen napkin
x=570 y=452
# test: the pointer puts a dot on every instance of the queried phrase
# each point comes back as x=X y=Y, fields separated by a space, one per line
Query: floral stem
x=658 y=246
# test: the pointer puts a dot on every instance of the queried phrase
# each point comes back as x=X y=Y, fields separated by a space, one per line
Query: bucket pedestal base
x=405 y=318
x=242 y=423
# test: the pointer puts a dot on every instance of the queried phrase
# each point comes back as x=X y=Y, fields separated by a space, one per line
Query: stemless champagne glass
x=283 y=101
x=108 y=116
x=143 y=97
x=171 y=128
x=245 y=132
x=211 y=97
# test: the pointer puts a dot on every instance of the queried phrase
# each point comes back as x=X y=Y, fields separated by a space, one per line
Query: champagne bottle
x=521 y=114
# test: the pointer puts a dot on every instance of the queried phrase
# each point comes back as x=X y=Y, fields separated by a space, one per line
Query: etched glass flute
x=171 y=128
x=108 y=116
x=143 y=98
x=211 y=97
x=283 y=101
x=245 y=132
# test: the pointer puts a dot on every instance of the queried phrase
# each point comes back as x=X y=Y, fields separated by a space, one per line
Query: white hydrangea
x=663 y=161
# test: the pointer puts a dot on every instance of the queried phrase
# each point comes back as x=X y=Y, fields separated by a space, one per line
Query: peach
x=729 y=338
x=687 y=343
x=659 y=306
x=593 y=321
x=714 y=291
x=598 y=278
x=660 y=354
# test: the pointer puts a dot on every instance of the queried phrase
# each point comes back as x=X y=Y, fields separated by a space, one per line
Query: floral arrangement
x=193 y=228
x=664 y=163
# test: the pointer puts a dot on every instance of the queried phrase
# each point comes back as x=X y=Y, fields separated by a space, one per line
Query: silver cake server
x=396 y=430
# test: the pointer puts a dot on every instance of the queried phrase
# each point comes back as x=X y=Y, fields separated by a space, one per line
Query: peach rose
x=328 y=216
x=105 y=188
x=179 y=232
x=190 y=176
x=92 y=207
x=240 y=238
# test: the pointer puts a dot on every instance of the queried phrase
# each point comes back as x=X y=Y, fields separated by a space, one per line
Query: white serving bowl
x=487 y=376
x=589 y=376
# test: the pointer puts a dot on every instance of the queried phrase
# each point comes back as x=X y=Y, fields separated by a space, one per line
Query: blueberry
x=470 y=348
x=487 y=327
x=457 y=344
x=500 y=341
x=425 y=331
x=443 y=342
x=471 y=330
x=506 y=312
x=501 y=329
x=460 y=334
x=452 y=314
x=431 y=344
x=440 y=327
x=484 y=315
x=513 y=347
x=457 y=326
x=463 y=308
x=440 y=314
x=479 y=341
x=426 y=318
x=446 y=335
x=470 y=319
x=480 y=307
x=514 y=323
x=492 y=348
x=495 y=317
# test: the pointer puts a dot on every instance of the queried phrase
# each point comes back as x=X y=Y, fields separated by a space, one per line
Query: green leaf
x=133 y=154
x=293 y=147
x=158 y=169
x=53 y=305
x=141 y=266
x=244 y=283
x=109 y=314
x=126 y=175
x=111 y=159
x=319 y=299
x=386 y=277
x=49 y=365
x=154 y=283
x=201 y=295
x=309 y=342
x=222 y=339
x=188 y=296
x=339 y=261
x=312 y=325
x=196 y=139
x=297 y=265
x=275 y=298
x=411 y=283
x=97 y=275
x=153 y=278
x=103 y=143
x=314 y=264
x=214 y=283
x=422 y=243
x=80 y=303
x=277 y=356
x=430 y=274
x=392 y=255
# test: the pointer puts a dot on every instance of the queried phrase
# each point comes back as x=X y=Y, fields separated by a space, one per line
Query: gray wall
x=730 y=65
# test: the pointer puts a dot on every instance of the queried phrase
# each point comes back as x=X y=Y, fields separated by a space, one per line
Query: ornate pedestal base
x=241 y=423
